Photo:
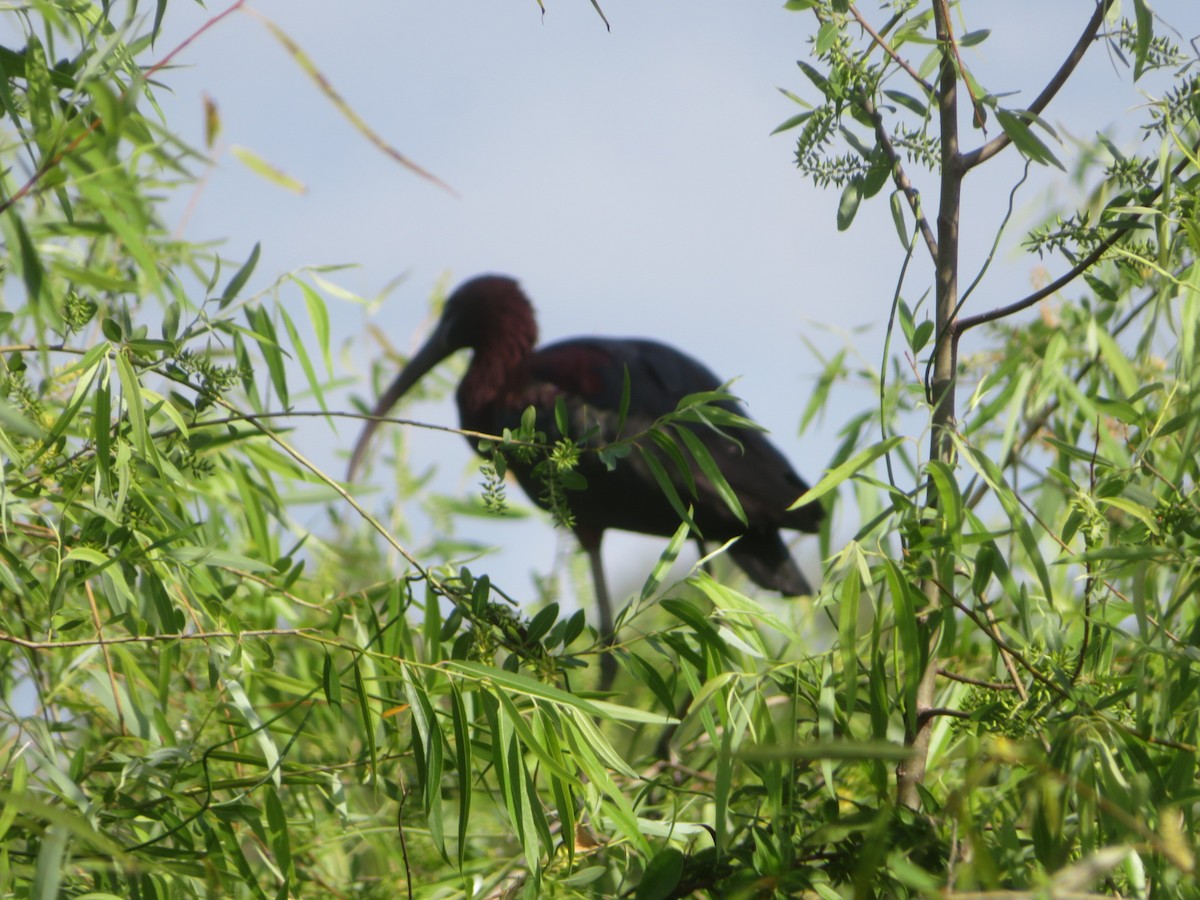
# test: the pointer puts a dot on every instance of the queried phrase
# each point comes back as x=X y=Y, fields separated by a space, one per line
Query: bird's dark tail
x=765 y=558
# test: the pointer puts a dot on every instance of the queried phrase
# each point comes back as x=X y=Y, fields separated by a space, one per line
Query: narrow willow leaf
x=235 y=284
x=134 y=408
x=826 y=722
x=261 y=734
x=266 y=170
x=531 y=743
x=1144 y=16
x=849 y=468
x=331 y=682
x=541 y=623
x=700 y=453
x=908 y=635
x=670 y=448
x=49 y=868
x=1118 y=363
x=102 y=433
x=430 y=757
x=665 y=560
x=1029 y=144
x=664 y=484
x=18 y=772
x=318 y=318
x=462 y=763
x=950 y=501
x=301 y=352
x=648 y=675
x=848 y=604
x=277 y=831
x=263 y=330
x=368 y=720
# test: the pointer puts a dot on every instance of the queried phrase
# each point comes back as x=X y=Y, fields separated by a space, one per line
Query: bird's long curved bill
x=432 y=353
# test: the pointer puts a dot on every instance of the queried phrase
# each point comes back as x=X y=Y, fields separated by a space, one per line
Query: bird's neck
x=498 y=372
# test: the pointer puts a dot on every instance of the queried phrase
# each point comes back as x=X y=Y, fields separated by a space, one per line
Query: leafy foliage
x=995 y=690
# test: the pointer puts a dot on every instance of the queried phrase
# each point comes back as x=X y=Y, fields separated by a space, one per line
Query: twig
x=900 y=177
x=1002 y=140
x=887 y=48
x=978 y=682
x=928 y=715
x=101 y=641
x=112 y=676
x=976 y=106
x=994 y=627
x=404 y=845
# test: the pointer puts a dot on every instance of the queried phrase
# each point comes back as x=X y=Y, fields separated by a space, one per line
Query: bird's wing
x=590 y=372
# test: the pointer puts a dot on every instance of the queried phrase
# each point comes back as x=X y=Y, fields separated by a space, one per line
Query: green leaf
x=700 y=453
x=1144 y=18
x=896 y=204
x=235 y=284
x=264 y=169
x=277 y=830
x=852 y=195
x=667 y=487
x=1023 y=138
x=302 y=354
x=834 y=477
x=463 y=764
x=541 y=623
x=260 y=733
x=364 y=710
x=665 y=560
x=848 y=605
x=263 y=330
x=912 y=104
x=661 y=876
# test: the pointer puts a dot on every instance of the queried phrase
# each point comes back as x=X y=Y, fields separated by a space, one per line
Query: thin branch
x=112 y=676
x=887 y=48
x=1126 y=225
x=1004 y=654
x=928 y=715
x=977 y=682
x=900 y=177
x=976 y=106
x=1002 y=140
x=1038 y=422
x=962 y=301
x=101 y=641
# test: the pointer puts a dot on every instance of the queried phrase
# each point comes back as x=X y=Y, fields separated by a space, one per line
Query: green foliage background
x=199 y=701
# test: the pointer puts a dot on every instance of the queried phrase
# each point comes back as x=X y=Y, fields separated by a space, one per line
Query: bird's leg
x=590 y=539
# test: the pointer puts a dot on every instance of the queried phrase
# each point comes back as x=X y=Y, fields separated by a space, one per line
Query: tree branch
x=887 y=48
x=910 y=774
x=1002 y=140
x=900 y=177
x=1118 y=232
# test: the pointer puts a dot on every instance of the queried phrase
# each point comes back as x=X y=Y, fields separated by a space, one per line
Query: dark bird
x=492 y=316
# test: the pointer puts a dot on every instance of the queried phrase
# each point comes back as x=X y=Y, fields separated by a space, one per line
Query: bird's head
x=489 y=314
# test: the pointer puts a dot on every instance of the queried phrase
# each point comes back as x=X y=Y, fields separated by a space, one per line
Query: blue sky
x=627 y=178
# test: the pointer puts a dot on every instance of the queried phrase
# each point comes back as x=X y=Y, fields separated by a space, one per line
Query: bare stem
x=910 y=774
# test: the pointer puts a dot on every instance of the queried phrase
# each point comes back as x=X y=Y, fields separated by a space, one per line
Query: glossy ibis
x=492 y=316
